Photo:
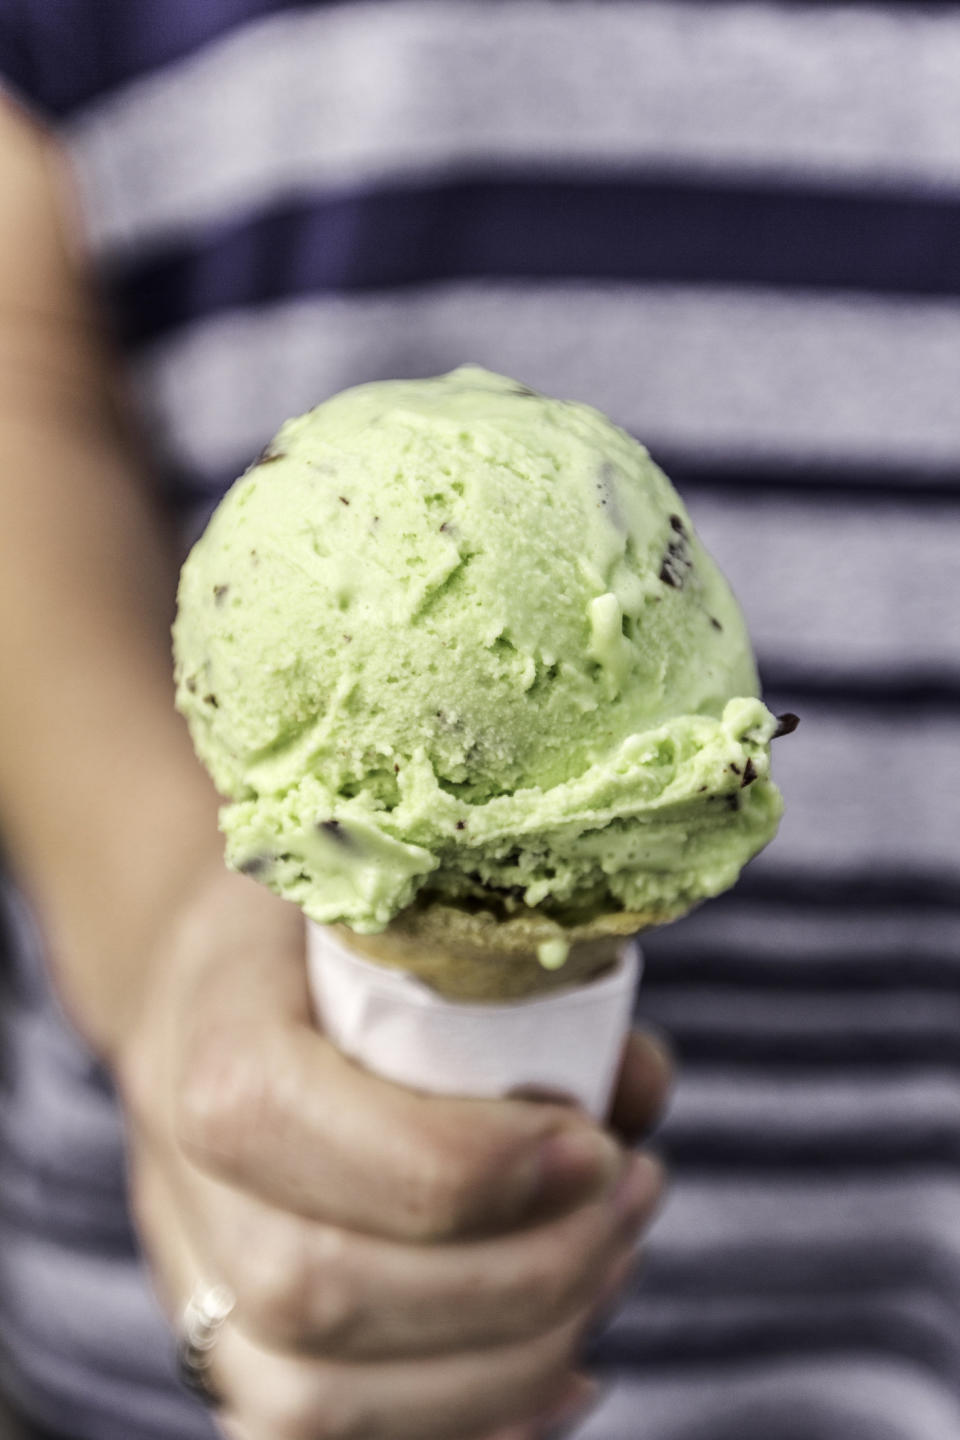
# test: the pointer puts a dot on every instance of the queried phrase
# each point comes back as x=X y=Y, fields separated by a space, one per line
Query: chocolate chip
x=343 y=500
x=677 y=563
x=444 y=527
x=334 y=831
x=732 y=802
x=749 y=773
x=211 y=699
x=461 y=824
x=715 y=623
x=672 y=571
x=396 y=768
x=677 y=524
x=734 y=767
x=268 y=455
x=605 y=484
x=256 y=865
x=220 y=593
x=786 y=724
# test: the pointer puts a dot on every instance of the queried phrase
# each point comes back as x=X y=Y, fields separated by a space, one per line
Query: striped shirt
x=734 y=227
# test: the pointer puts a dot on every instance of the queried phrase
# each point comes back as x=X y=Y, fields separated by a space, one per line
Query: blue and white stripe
x=733 y=227
x=312 y=100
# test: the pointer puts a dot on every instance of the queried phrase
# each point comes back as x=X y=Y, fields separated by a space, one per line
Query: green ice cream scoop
x=453 y=639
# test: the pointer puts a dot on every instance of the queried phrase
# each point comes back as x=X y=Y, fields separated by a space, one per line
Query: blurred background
x=734 y=228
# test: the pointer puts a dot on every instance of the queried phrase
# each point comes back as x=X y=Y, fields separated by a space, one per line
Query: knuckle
x=220 y=1101
x=336 y=1312
x=437 y=1192
x=273 y=1285
x=441 y=1200
x=552 y=1282
x=459 y=1167
x=296 y=1288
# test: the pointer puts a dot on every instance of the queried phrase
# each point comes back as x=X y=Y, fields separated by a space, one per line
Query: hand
x=406 y=1267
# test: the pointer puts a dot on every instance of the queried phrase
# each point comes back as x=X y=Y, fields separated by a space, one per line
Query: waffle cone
x=474 y=955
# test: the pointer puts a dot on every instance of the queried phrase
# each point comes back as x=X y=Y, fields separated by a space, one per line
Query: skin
x=406 y=1267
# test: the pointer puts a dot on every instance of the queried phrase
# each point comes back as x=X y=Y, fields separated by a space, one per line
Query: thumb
x=643 y=1085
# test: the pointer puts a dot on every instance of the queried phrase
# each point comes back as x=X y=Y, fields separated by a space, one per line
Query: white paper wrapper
x=567 y=1042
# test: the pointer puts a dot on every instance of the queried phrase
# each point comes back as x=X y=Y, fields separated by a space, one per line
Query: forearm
x=104 y=809
x=104 y=812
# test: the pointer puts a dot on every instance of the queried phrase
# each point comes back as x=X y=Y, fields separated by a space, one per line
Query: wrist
x=104 y=913
x=222 y=928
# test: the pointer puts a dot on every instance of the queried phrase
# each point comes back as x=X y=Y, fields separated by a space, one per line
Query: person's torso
x=733 y=227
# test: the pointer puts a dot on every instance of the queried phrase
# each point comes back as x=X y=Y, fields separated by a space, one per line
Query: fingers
x=643 y=1085
x=579 y=1395
x=262 y=1100
x=469 y=1394
x=316 y=1288
x=313 y=1188
x=287 y=1117
x=270 y=1396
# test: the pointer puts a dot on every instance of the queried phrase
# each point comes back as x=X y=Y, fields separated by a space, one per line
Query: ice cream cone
x=564 y=1041
x=450 y=634
x=475 y=955
x=458 y=646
